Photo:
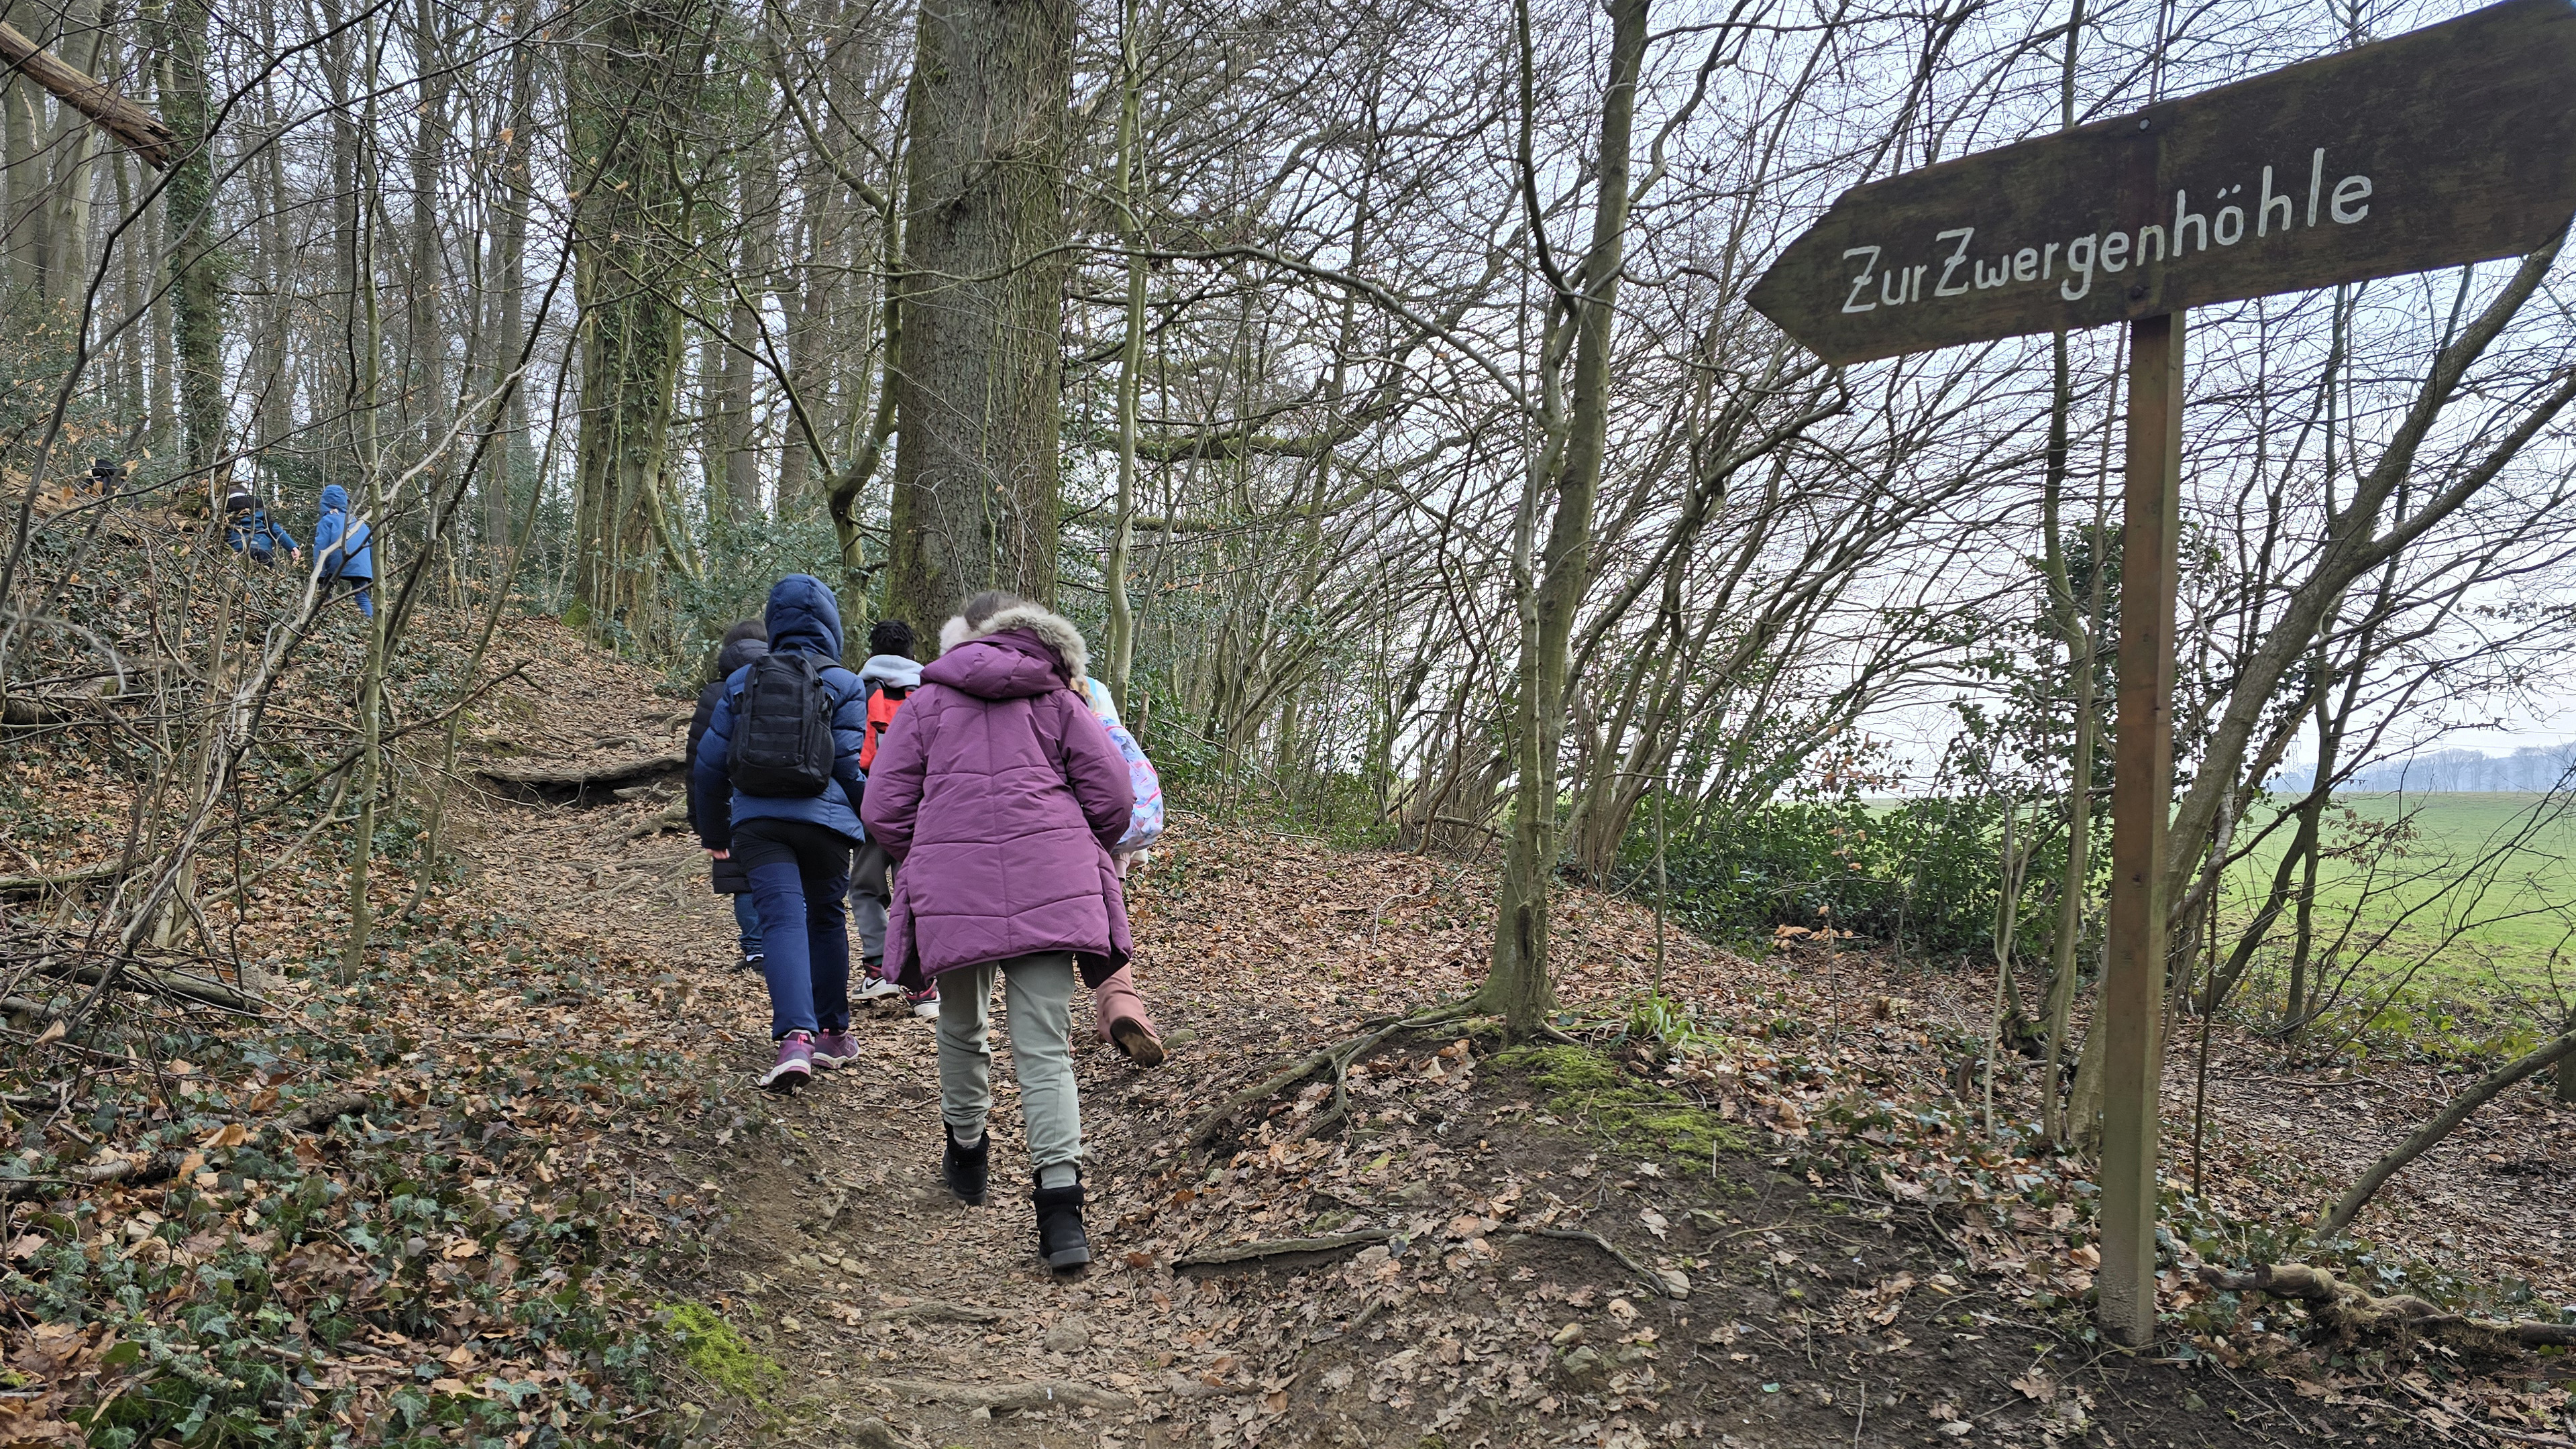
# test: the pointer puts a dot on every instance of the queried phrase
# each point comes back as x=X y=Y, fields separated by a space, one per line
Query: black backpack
x=782 y=744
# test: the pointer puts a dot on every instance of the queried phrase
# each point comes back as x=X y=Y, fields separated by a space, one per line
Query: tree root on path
x=2353 y=1314
x=1281 y=1247
x=161 y=1166
x=1655 y=1282
x=1008 y=1398
x=1336 y=1059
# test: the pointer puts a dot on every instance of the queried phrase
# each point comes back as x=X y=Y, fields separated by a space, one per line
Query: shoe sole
x=1069 y=1259
x=829 y=1063
x=785 y=1081
x=1141 y=1046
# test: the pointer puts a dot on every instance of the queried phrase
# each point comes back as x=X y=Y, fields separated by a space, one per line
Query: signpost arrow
x=2456 y=143
x=2452 y=144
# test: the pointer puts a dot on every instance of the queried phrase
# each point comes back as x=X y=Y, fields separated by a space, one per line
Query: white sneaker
x=926 y=1004
x=878 y=988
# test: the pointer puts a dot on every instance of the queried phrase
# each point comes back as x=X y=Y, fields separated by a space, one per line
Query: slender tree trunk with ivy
x=194 y=260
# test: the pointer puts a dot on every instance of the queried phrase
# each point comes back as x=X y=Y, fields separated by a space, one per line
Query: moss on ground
x=1586 y=1087
x=718 y=1354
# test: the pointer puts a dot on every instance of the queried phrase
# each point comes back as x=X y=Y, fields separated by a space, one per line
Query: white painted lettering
x=1891 y=287
x=2079 y=258
x=2263 y=211
x=2228 y=226
x=2183 y=217
x=2316 y=182
x=2026 y=265
x=1852 y=301
x=2347 y=191
x=2001 y=274
x=2047 y=258
x=2151 y=229
x=1914 y=287
x=1945 y=287
x=2115 y=251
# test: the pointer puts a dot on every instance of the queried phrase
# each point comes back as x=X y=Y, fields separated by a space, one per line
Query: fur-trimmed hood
x=1050 y=628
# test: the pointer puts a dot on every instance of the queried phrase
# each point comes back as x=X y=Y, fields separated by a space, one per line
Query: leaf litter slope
x=561 y=1043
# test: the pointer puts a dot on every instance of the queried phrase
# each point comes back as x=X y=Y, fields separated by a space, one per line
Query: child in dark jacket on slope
x=794 y=847
x=743 y=643
x=998 y=795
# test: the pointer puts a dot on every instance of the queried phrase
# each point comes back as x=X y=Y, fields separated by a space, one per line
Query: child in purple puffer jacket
x=998 y=795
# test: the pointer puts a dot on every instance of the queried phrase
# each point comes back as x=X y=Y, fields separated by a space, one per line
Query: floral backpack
x=1145 y=824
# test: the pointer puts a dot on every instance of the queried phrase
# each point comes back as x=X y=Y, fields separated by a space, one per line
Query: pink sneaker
x=795 y=1064
x=835 y=1049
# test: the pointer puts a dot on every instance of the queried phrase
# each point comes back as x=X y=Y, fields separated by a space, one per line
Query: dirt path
x=1454 y=1319
x=1505 y=1236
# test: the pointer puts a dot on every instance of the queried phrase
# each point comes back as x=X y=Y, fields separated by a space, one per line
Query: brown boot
x=1134 y=1037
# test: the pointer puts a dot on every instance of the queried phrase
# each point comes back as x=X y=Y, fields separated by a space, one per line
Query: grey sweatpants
x=1039 y=992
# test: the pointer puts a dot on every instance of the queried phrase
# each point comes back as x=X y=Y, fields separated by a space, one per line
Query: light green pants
x=1039 y=992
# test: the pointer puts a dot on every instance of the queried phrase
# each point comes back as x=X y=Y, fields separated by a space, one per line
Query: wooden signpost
x=2452 y=144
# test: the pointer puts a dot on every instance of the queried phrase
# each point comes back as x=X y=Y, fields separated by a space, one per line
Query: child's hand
x=721 y=854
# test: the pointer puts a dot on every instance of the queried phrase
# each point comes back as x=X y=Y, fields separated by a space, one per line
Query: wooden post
x=2133 y=978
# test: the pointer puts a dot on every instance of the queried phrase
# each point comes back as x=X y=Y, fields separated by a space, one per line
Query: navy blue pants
x=799 y=873
x=746 y=923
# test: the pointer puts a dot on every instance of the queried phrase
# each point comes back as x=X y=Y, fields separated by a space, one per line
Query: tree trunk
x=630 y=112
x=23 y=170
x=196 y=264
x=1518 y=987
x=425 y=346
x=504 y=465
x=759 y=255
x=976 y=501
x=76 y=144
x=1121 y=650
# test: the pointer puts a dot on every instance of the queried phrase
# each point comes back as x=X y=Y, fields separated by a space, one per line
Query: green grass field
x=2468 y=899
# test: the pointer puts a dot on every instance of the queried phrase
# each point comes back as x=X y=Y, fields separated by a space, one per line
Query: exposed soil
x=1507 y=1234
x=1811 y=1319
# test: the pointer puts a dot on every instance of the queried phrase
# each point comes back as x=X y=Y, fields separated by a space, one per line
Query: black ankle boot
x=964 y=1167
x=1060 y=1237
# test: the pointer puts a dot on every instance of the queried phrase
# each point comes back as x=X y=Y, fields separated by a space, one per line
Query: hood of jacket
x=1050 y=630
x=334 y=498
x=737 y=654
x=804 y=615
x=893 y=670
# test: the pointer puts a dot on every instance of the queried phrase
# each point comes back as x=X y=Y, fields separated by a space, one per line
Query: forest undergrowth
x=508 y=1184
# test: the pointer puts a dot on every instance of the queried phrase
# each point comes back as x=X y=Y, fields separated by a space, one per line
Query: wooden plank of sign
x=2455 y=143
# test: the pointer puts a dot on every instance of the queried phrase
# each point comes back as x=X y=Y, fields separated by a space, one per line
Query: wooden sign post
x=2453 y=144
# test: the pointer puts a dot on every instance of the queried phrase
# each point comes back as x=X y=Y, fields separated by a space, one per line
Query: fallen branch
x=142 y=132
x=938 y=1313
x=1008 y=1398
x=152 y=1167
x=1281 y=1247
x=28 y=1006
x=18 y=885
x=2353 y=1314
x=1655 y=1282
x=162 y=983
x=583 y=777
